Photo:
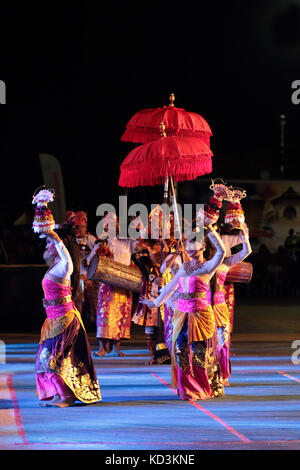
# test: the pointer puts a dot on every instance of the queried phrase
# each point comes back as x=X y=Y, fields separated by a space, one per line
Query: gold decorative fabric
x=222 y=314
x=84 y=388
x=201 y=326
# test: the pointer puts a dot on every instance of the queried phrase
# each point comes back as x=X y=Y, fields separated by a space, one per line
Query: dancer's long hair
x=67 y=235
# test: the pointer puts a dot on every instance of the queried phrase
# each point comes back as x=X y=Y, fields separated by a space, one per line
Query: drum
x=111 y=272
x=241 y=272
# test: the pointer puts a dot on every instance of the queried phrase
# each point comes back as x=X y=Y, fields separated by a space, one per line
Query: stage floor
x=139 y=411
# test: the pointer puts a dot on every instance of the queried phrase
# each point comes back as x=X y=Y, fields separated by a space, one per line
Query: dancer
x=234 y=222
x=221 y=311
x=114 y=306
x=195 y=371
x=234 y=216
x=231 y=238
x=64 y=367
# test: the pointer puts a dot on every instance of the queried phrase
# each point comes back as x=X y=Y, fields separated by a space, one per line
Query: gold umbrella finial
x=162 y=130
x=172 y=99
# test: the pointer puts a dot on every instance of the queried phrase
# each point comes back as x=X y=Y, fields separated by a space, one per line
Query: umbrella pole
x=176 y=215
x=177 y=221
x=166 y=192
x=161 y=350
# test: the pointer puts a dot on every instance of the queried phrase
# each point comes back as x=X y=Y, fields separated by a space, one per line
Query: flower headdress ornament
x=235 y=215
x=210 y=213
x=43 y=220
x=43 y=197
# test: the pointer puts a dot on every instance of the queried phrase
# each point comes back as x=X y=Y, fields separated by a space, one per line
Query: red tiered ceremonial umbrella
x=157 y=162
x=144 y=126
x=173 y=157
x=150 y=164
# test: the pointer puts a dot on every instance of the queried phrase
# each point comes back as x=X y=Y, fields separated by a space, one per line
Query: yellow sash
x=55 y=326
x=201 y=326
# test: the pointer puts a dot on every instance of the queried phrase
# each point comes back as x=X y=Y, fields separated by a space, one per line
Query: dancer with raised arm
x=64 y=367
x=220 y=308
x=234 y=221
x=195 y=371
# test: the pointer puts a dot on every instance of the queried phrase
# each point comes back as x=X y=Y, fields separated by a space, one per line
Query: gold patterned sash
x=60 y=301
x=192 y=295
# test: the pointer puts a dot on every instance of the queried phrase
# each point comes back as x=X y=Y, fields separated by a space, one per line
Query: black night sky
x=75 y=75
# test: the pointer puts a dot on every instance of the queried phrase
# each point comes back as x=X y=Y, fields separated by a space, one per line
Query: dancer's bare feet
x=100 y=353
x=46 y=402
x=61 y=402
x=115 y=351
x=121 y=354
x=103 y=348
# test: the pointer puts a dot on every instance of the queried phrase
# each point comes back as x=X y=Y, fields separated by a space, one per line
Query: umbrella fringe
x=151 y=176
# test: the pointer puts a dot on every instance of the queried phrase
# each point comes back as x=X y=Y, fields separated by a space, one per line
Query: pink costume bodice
x=194 y=294
x=53 y=290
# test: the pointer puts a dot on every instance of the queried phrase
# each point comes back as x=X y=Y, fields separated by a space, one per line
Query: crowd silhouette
x=276 y=275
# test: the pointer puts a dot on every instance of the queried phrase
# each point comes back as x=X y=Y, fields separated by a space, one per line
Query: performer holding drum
x=113 y=319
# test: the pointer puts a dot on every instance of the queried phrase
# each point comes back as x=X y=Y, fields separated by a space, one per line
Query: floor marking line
x=292 y=441
x=17 y=411
x=208 y=413
x=288 y=376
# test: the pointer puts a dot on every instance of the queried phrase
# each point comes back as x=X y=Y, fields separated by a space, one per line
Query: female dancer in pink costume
x=195 y=371
x=220 y=307
x=64 y=367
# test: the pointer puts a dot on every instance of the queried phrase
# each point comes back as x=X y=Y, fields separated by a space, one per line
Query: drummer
x=114 y=304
